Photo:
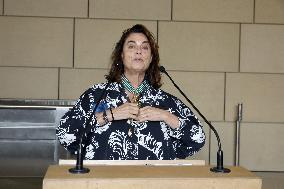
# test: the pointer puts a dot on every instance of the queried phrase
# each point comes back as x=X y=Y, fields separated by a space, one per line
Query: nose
x=138 y=49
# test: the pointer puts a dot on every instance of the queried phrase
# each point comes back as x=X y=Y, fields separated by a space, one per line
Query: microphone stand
x=79 y=168
x=219 y=168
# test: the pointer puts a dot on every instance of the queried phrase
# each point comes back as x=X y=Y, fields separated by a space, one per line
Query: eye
x=145 y=47
x=131 y=46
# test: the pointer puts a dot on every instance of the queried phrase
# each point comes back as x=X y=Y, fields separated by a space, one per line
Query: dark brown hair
x=117 y=68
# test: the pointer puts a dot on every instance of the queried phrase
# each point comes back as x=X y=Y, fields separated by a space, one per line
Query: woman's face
x=136 y=54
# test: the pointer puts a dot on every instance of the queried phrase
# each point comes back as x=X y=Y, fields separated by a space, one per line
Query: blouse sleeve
x=73 y=123
x=189 y=137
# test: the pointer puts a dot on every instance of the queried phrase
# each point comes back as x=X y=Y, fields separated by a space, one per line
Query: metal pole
x=237 y=141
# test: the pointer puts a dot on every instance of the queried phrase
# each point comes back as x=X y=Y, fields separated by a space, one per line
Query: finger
x=132 y=116
x=136 y=118
x=145 y=108
x=144 y=112
x=134 y=111
x=140 y=118
x=133 y=104
x=143 y=117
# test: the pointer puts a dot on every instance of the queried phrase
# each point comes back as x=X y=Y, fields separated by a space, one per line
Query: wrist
x=109 y=115
x=166 y=116
x=111 y=112
x=171 y=120
x=100 y=119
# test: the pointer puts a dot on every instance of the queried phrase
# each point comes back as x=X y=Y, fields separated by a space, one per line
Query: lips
x=138 y=60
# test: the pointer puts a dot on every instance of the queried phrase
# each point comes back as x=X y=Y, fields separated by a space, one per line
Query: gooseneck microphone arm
x=79 y=168
x=219 y=167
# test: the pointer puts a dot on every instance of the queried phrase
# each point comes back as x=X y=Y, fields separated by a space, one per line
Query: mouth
x=138 y=60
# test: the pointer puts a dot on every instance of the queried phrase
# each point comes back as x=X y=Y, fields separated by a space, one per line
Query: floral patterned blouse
x=151 y=140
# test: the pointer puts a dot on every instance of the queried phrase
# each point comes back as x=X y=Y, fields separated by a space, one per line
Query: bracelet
x=111 y=114
x=105 y=117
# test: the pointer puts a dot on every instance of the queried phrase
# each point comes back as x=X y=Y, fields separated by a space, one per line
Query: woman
x=134 y=119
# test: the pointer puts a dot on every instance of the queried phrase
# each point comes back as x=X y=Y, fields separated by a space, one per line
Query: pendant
x=135 y=100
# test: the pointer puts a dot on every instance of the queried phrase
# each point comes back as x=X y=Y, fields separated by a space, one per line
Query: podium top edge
x=135 y=162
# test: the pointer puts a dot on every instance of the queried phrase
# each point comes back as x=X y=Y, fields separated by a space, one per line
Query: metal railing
x=35 y=104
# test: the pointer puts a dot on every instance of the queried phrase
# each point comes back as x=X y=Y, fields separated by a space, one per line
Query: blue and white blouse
x=152 y=140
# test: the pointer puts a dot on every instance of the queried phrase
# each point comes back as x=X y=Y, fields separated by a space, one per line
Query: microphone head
x=162 y=69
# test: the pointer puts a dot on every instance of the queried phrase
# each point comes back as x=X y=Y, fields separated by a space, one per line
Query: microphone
x=219 y=168
x=79 y=168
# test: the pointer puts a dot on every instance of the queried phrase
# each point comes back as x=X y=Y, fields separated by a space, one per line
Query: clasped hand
x=132 y=111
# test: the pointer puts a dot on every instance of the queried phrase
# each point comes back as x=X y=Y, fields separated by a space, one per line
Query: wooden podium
x=149 y=175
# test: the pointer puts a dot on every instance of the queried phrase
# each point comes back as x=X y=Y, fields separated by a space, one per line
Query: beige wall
x=269 y=11
x=220 y=52
x=261 y=95
x=262 y=48
x=79 y=79
x=1 y=7
x=183 y=46
x=213 y=10
x=131 y=9
x=29 y=83
x=36 y=42
x=52 y=8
